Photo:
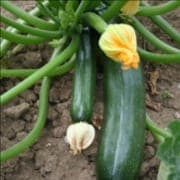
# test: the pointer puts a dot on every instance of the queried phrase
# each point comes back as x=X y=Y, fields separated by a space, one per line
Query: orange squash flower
x=130 y=8
x=118 y=42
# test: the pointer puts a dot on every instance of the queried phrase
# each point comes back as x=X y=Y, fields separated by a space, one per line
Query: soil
x=50 y=157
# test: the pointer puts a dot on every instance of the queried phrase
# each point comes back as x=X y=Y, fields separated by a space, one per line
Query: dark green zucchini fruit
x=84 y=80
x=121 y=143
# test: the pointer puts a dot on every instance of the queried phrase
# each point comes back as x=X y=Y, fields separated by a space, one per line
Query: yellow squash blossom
x=131 y=7
x=118 y=42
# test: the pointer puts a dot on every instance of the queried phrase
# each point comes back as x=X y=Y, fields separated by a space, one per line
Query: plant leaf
x=169 y=154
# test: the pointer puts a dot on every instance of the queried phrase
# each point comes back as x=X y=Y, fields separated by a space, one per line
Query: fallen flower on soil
x=80 y=136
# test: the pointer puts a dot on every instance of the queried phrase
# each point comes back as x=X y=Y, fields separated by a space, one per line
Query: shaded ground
x=50 y=158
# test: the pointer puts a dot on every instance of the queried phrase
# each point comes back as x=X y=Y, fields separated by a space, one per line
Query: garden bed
x=50 y=157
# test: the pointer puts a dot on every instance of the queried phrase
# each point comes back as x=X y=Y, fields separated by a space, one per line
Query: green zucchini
x=122 y=137
x=84 y=81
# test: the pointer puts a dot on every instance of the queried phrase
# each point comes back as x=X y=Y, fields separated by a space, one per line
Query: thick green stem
x=156 y=129
x=152 y=38
x=33 y=20
x=29 y=81
x=35 y=132
x=95 y=21
x=81 y=8
x=4 y=45
x=159 y=58
x=47 y=12
x=113 y=10
x=165 y=26
x=22 y=73
x=160 y=9
x=22 y=39
x=30 y=30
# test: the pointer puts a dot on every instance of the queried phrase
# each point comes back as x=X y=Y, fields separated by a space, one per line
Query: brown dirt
x=50 y=158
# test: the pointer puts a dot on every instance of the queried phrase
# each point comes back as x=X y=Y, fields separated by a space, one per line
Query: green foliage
x=67 y=16
x=169 y=154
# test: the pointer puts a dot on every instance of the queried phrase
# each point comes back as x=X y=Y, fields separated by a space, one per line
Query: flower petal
x=119 y=43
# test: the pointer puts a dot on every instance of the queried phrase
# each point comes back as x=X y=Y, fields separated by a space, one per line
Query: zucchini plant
x=65 y=25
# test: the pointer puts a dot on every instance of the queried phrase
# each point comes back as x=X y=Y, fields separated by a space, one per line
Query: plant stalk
x=32 y=79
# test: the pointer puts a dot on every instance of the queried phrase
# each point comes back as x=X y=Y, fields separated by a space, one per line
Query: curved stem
x=159 y=58
x=4 y=45
x=155 y=129
x=37 y=22
x=29 y=81
x=30 y=30
x=160 y=9
x=81 y=8
x=35 y=132
x=95 y=21
x=47 y=12
x=22 y=73
x=22 y=39
x=113 y=10
x=165 y=26
x=152 y=38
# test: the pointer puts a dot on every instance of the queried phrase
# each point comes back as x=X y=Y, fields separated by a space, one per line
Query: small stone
x=45 y=161
x=50 y=163
x=18 y=126
x=37 y=89
x=58 y=132
x=147 y=165
x=29 y=126
x=177 y=115
x=5 y=143
x=54 y=95
x=150 y=139
x=27 y=117
x=52 y=114
x=61 y=107
x=27 y=155
x=10 y=133
x=149 y=152
x=29 y=96
x=65 y=95
x=17 y=111
x=21 y=135
x=31 y=59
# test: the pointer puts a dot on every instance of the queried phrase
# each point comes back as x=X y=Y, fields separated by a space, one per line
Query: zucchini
x=84 y=81
x=122 y=137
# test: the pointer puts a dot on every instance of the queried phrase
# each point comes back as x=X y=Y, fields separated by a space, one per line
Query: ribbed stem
x=22 y=39
x=29 y=81
x=165 y=26
x=159 y=58
x=95 y=21
x=22 y=73
x=47 y=12
x=113 y=10
x=152 y=38
x=30 y=30
x=35 y=132
x=4 y=45
x=81 y=8
x=159 y=9
x=33 y=20
x=156 y=129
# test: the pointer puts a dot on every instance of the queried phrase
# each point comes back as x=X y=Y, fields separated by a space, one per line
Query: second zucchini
x=84 y=80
